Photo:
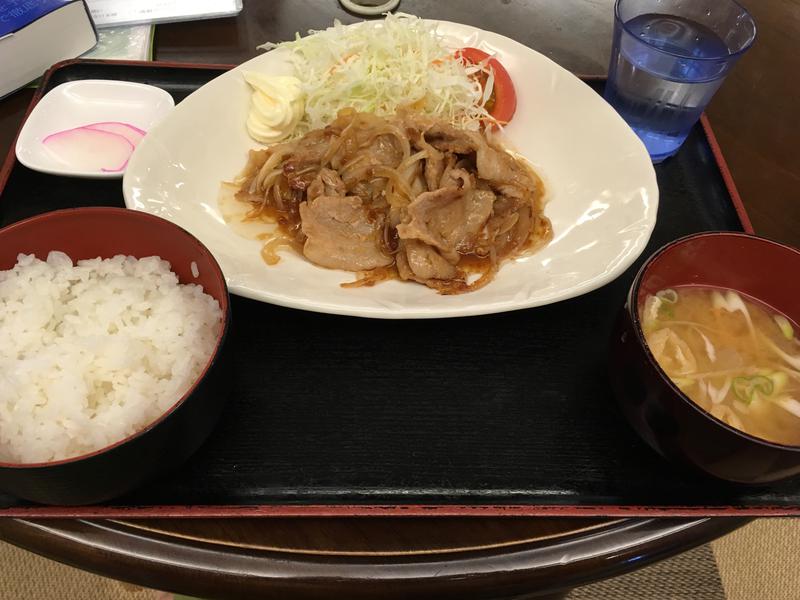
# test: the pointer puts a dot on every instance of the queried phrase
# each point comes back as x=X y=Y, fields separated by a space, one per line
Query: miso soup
x=735 y=357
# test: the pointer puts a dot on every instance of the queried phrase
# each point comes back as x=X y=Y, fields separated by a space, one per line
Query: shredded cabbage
x=380 y=66
x=784 y=325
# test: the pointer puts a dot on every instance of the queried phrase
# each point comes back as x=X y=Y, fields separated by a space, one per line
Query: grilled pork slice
x=341 y=235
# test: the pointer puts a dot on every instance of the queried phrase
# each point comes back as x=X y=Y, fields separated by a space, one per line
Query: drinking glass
x=667 y=60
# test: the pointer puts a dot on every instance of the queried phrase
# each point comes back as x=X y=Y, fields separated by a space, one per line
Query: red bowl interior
x=85 y=233
x=760 y=268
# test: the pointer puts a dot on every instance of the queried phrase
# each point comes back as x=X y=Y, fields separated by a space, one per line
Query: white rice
x=92 y=353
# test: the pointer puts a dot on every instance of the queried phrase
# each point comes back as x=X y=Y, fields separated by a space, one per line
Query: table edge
x=200 y=568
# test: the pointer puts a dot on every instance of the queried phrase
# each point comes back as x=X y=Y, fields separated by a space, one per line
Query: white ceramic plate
x=601 y=192
x=78 y=103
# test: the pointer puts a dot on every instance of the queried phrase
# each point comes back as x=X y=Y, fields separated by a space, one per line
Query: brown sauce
x=278 y=207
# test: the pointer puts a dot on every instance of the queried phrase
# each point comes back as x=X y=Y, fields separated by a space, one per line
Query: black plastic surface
x=509 y=409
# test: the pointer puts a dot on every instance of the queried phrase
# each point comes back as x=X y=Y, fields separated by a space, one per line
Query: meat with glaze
x=340 y=234
x=406 y=197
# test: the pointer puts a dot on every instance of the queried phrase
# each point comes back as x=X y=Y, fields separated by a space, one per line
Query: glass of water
x=668 y=59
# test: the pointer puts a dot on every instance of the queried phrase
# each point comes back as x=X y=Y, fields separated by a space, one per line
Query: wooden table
x=352 y=559
x=755 y=118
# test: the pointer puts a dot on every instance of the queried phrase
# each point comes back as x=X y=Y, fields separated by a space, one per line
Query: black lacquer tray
x=505 y=414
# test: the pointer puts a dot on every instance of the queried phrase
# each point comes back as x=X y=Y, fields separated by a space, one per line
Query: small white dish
x=79 y=103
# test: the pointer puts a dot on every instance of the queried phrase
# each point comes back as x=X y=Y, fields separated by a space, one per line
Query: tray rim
x=390 y=510
x=378 y=510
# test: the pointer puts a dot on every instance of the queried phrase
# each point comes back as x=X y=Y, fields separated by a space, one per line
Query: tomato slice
x=503 y=102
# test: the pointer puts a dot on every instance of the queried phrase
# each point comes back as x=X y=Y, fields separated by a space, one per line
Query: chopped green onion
x=683 y=383
x=785 y=326
x=666 y=311
x=669 y=296
x=746 y=388
x=779 y=381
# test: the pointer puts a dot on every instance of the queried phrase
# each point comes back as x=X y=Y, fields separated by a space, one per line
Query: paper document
x=110 y=13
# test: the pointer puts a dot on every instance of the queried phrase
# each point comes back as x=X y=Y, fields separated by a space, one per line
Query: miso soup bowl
x=665 y=418
x=167 y=442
